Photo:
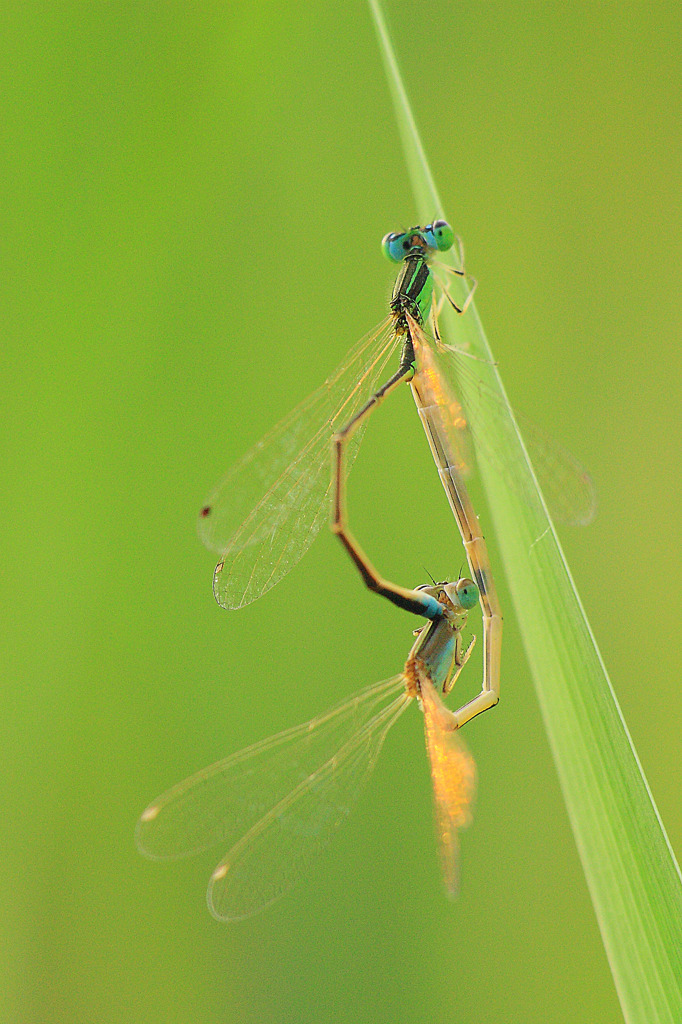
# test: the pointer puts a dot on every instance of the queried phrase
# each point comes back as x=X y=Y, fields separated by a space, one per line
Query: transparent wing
x=474 y=410
x=266 y=512
x=278 y=801
x=453 y=774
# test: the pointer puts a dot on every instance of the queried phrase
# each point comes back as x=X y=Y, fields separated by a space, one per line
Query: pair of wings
x=265 y=514
x=277 y=803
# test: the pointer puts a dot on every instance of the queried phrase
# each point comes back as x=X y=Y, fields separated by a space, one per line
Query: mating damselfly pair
x=278 y=802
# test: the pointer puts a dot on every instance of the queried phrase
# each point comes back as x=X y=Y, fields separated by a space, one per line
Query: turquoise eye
x=467 y=592
x=440 y=235
x=395 y=246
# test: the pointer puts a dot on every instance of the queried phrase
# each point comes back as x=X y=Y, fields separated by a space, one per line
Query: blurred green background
x=193 y=199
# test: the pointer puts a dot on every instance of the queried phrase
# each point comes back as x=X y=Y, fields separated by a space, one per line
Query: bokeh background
x=193 y=199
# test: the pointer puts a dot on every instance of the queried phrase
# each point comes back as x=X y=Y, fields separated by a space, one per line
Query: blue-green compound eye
x=440 y=235
x=395 y=246
x=467 y=592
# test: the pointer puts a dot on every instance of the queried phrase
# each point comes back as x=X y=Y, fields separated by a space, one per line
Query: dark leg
x=411 y=600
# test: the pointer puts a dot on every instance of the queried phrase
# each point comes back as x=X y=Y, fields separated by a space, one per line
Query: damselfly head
x=437 y=236
x=462 y=594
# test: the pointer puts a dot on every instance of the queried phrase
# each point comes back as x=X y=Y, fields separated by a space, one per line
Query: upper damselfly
x=264 y=515
x=277 y=803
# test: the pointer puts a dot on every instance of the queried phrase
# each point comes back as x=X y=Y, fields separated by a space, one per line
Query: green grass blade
x=631 y=871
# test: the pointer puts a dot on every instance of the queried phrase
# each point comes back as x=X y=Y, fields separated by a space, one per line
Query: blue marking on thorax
x=439 y=661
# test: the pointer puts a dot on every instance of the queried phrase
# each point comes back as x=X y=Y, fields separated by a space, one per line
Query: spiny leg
x=458 y=273
x=445 y=294
x=460 y=660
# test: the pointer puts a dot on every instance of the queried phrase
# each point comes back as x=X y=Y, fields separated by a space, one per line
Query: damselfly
x=264 y=515
x=277 y=803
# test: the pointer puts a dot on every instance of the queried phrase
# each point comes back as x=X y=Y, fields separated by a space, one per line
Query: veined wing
x=278 y=801
x=268 y=509
x=470 y=407
x=453 y=774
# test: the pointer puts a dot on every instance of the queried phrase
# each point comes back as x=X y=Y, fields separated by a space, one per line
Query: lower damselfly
x=277 y=803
